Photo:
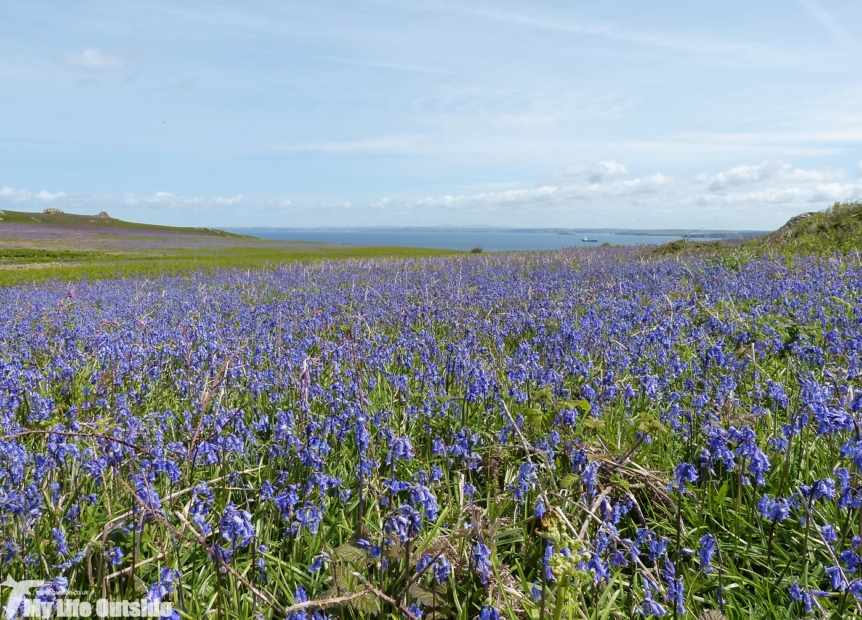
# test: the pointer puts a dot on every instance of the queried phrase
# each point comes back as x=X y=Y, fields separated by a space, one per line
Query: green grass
x=27 y=256
x=103 y=247
x=95 y=222
x=836 y=229
x=23 y=266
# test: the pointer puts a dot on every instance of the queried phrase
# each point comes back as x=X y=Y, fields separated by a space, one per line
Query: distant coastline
x=489 y=238
x=662 y=232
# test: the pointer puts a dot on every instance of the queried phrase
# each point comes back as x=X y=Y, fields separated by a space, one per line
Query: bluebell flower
x=490 y=613
x=236 y=527
x=261 y=564
x=442 y=570
x=836 y=579
x=649 y=606
x=774 y=510
x=683 y=473
x=422 y=496
x=675 y=590
x=707 y=550
x=589 y=477
x=60 y=545
x=539 y=512
x=820 y=490
x=317 y=562
x=147 y=496
x=481 y=562
x=547 y=554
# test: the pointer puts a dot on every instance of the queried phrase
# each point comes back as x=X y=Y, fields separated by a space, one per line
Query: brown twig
x=383 y=596
x=76 y=434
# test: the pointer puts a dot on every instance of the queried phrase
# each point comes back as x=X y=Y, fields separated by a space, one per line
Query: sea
x=487 y=240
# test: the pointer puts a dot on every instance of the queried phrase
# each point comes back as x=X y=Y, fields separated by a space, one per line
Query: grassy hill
x=61 y=246
x=101 y=222
x=836 y=229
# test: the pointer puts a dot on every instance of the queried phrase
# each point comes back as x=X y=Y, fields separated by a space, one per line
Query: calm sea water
x=490 y=241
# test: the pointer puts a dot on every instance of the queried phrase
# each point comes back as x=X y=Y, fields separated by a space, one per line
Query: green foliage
x=41 y=265
x=836 y=229
x=97 y=222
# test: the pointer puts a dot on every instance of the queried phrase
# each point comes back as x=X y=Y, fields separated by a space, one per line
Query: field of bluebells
x=579 y=434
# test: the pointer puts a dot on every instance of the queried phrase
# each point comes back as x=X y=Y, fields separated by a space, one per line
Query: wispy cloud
x=169 y=199
x=93 y=60
x=23 y=196
x=382 y=64
x=768 y=171
x=607 y=193
x=160 y=199
x=838 y=32
x=746 y=196
x=666 y=40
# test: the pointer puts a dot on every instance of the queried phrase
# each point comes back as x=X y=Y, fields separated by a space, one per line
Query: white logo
x=21 y=604
x=20 y=592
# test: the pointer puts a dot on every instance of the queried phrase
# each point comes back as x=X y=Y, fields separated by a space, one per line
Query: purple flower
x=707 y=550
x=115 y=556
x=683 y=473
x=481 y=562
x=442 y=570
x=490 y=613
x=236 y=527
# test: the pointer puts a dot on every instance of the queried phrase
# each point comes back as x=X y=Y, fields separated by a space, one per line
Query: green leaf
x=568 y=481
x=594 y=423
x=350 y=553
x=367 y=604
x=429 y=597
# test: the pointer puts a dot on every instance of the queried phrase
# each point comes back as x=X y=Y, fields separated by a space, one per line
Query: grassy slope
x=836 y=229
x=233 y=258
x=104 y=223
x=105 y=248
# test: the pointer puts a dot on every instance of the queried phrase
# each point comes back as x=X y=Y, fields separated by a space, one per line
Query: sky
x=610 y=113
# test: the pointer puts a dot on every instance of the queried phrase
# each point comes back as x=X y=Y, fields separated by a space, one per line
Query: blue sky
x=619 y=113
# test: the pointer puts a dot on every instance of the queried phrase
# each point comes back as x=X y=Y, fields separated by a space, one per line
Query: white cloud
x=761 y=196
x=14 y=195
x=22 y=195
x=838 y=32
x=755 y=196
x=169 y=199
x=229 y=202
x=607 y=169
x=768 y=171
x=518 y=197
x=94 y=60
x=44 y=196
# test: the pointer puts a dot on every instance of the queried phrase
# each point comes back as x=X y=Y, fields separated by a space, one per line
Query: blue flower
x=481 y=562
x=539 y=512
x=115 y=556
x=442 y=570
x=707 y=550
x=236 y=527
x=490 y=613
x=684 y=472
